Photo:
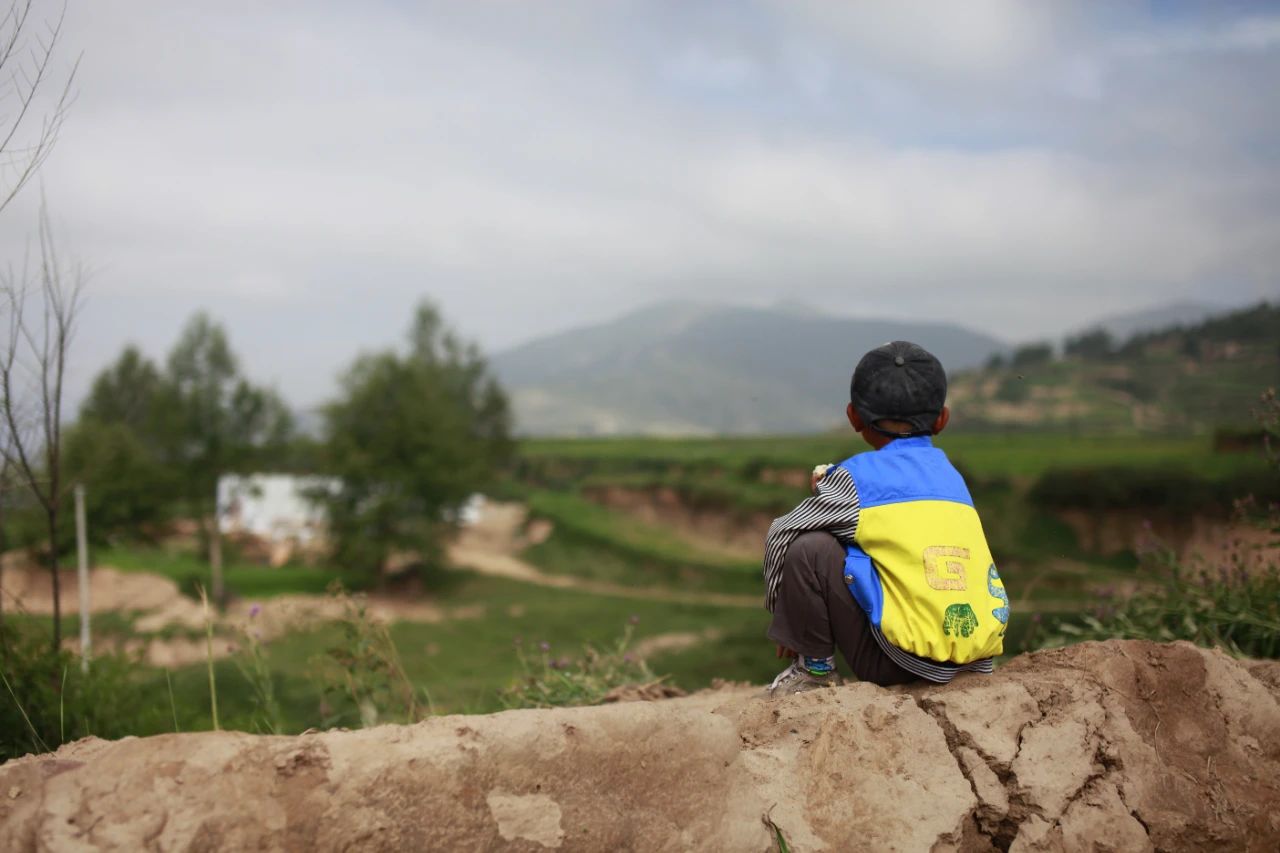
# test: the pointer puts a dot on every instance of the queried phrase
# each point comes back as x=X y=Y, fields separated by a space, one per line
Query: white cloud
x=308 y=171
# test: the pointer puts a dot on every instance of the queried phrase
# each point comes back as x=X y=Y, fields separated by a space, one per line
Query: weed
x=1234 y=604
x=256 y=669
x=47 y=700
x=208 y=635
x=1232 y=601
x=365 y=668
x=778 y=837
x=550 y=681
x=173 y=707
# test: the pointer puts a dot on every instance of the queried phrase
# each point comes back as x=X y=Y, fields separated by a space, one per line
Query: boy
x=887 y=560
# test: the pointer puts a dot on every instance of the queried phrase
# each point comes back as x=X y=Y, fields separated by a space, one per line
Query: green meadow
x=498 y=626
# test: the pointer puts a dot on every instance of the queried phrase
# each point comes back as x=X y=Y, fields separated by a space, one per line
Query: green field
x=1012 y=454
x=461 y=664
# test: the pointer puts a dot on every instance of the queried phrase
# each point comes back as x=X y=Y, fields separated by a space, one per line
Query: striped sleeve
x=834 y=509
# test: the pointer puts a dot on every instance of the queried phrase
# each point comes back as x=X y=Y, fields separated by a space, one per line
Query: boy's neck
x=879 y=441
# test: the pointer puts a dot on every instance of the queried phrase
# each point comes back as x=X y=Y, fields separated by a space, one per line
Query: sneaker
x=797 y=679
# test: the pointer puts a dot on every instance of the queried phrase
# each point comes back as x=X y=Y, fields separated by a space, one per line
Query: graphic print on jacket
x=920 y=565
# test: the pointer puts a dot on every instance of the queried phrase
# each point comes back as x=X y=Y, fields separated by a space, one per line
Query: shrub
x=552 y=682
x=1147 y=488
x=1233 y=605
x=46 y=701
x=364 y=673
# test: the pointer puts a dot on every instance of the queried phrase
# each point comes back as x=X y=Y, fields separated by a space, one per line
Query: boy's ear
x=855 y=420
x=944 y=418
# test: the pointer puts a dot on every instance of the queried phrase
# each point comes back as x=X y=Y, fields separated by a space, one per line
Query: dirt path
x=489 y=547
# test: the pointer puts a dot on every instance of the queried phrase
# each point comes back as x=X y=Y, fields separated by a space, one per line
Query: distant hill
x=1122 y=326
x=696 y=368
x=1185 y=377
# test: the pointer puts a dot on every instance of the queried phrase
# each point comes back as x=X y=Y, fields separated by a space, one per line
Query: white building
x=273 y=507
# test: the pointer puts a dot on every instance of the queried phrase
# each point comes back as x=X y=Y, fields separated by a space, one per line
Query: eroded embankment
x=1113 y=746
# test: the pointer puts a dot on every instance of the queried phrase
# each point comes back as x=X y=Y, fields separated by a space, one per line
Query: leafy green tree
x=117 y=449
x=411 y=436
x=1093 y=344
x=151 y=441
x=128 y=393
x=129 y=489
x=1031 y=355
x=214 y=421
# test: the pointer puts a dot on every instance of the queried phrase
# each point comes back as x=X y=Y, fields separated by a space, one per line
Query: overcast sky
x=308 y=171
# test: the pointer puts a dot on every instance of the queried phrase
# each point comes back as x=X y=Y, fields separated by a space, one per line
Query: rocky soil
x=1101 y=746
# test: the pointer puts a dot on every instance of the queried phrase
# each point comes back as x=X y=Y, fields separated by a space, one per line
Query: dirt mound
x=732 y=532
x=1103 y=746
x=28 y=588
x=158 y=607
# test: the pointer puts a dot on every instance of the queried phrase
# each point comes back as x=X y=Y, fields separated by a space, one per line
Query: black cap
x=899 y=381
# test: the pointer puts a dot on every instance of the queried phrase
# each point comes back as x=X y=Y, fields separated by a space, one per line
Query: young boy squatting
x=887 y=560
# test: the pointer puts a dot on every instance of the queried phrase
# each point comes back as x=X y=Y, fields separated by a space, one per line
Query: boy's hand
x=784 y=652
x=819 y=471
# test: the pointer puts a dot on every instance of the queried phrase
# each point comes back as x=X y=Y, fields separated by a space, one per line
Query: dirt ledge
x=1101 y=746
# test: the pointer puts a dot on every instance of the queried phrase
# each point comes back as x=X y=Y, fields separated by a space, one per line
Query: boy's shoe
x=797 y=679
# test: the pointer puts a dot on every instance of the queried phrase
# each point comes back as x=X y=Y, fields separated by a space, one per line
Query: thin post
x=215 y=559
x=82 y=551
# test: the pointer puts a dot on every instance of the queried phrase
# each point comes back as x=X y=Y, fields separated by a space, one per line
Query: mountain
x=1122 y=326
x=697 y=368
x=1187 y=377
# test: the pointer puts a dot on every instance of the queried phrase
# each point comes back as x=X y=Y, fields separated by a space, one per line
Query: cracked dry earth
x=1101 y=746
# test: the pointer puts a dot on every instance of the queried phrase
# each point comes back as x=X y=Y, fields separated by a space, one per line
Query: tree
x=26 y=66
x=1031 y=355
x=128 y=393
x=1092 y=344
x=411 y=437
x=6 y=486
x=33 y=365
x=130 y=489
x=213 y=420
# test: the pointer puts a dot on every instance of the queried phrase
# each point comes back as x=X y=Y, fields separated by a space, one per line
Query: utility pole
x=215 y=551
x=82 y=550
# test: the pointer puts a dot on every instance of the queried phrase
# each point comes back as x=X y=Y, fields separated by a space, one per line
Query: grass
x=986 y=454
x=240 y=578
x=592 y=522
x=464 y=664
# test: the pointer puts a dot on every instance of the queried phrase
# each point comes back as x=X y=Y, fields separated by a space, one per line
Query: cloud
x=307 y=171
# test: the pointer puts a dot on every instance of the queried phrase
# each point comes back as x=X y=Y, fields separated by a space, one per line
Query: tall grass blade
x=767 y=819
x=172 y=707
x=208 y=636
x=34 y=734
x=62 y=694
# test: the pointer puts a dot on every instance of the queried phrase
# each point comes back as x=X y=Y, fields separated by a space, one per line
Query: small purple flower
x=1036 y=618
x=544 y=646
x=254 y=610
x=629 y=658
x=633 y=619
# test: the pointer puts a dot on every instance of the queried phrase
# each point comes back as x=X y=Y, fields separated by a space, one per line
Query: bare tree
x=32 y=368
x=28 y=131
x=5 y=469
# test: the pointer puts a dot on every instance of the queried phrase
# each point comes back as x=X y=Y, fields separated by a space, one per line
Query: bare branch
x=26 y=83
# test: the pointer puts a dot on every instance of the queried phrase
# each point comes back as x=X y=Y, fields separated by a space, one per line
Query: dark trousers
x=815 y=612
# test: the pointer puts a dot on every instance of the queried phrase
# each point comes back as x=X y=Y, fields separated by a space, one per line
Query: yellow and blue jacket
x=919 y=564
